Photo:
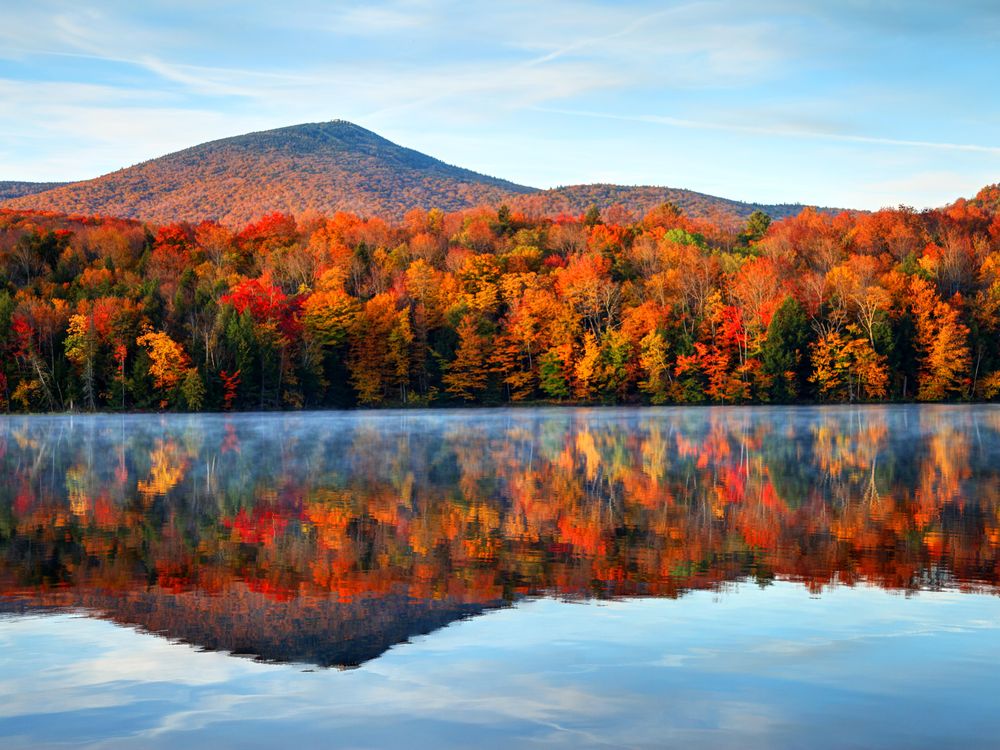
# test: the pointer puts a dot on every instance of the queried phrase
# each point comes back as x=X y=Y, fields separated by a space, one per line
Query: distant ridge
x=327 y=167
x=14 y=189
x=639 y=199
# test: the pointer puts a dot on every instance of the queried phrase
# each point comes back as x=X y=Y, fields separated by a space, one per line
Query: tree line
x=498 y=306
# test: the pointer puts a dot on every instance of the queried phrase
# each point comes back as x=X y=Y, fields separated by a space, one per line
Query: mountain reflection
x=327 y=538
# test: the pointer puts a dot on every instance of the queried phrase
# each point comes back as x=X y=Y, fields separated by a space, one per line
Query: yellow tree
x=81 y=344
x=586 y=369
x=847 y=368
x=856 y=285
x=327 y=313
x=655 y=366
x=831 y=366
x=871 y=370
x=943 y=342
x=398 y=355
x=169 y=363
x=467 y=375
x=378 y=362
x=522 y=337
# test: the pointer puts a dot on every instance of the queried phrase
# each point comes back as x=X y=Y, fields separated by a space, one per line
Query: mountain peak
x=306 y=139
x=344 y=130
x=323 y=166
x=329 y=166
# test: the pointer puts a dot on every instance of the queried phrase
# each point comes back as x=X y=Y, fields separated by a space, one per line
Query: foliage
x=482 y=306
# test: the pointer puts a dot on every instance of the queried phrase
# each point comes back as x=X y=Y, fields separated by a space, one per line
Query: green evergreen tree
x=783 y=352
x=756 y=227
x=193 y=390
x=551 y=378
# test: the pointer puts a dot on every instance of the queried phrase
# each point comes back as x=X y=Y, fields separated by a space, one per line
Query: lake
x=759 y=577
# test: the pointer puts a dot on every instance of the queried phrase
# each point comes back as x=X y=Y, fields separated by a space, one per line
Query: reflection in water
x=326 y=538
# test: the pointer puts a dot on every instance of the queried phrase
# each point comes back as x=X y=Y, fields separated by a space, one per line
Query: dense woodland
x=493 y=307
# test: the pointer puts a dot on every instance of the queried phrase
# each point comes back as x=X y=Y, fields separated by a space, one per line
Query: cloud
x=368 y=20
x=790 y=131
x=80 y=131
x=93 y=87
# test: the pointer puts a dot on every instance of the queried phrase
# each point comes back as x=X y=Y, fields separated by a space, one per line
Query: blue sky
x=846 y=103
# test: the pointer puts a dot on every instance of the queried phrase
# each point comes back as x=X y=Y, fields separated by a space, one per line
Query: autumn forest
x=497 y=306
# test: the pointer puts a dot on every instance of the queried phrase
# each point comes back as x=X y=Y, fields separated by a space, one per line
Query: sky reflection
x=745 y=667
x=820 y=577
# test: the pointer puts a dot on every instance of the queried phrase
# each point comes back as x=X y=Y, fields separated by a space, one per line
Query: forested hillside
x=325 y=167
x=13 y=189
x=328 y=167
x=485 y=306
x=640 y=199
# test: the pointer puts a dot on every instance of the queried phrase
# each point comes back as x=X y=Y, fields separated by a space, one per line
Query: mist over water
x=743 y=564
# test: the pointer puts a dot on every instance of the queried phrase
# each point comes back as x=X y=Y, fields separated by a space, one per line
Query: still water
x=735 y=578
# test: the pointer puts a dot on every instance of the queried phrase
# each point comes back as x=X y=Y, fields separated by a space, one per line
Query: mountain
x=325 y=631
x=325 y=166
x=13 y=189
x=639 y=199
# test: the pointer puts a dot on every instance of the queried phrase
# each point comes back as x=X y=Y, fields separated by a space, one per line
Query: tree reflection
x=183 y=523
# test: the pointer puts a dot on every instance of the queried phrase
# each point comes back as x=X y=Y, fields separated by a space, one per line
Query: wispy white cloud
x=368 y=20
x=778 y=131
x=581 y=45
x=780 y=75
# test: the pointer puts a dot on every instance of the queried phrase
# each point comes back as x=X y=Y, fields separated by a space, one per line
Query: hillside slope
x=10 y=189
x=575 y=199
x=326 y=167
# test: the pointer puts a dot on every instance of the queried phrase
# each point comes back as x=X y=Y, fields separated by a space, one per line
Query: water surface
x=761 y=577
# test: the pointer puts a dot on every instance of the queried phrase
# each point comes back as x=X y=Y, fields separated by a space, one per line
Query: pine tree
x=782 y=352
